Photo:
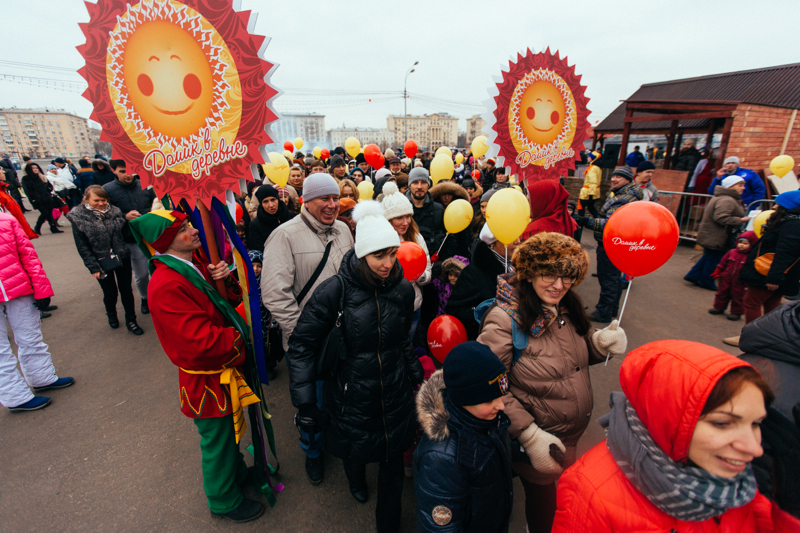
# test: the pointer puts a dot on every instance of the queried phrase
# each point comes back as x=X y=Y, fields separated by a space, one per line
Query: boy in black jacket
x=462 y=466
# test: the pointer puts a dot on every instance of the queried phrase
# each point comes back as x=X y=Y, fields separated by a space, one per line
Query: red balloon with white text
x=445 y=333
x=640 y=237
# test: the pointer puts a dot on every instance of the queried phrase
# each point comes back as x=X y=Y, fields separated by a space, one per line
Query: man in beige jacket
x=292 y=254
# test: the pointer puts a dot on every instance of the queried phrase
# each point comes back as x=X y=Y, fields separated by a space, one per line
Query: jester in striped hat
x=202 y=334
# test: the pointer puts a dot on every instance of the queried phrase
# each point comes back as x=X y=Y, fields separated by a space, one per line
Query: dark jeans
x=390 y=490
x=119 y=280
x=610 y=279
x=702 y=270
x=46 y=215
x=588 y=204
x=540 y=506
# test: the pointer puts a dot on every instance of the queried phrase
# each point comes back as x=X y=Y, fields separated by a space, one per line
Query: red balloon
x=288 y=146
x=640 y=237
x=445 y=333
x=374 y=156
x=324 y=153
x=410 y=148
x=413 y=259
x=476 y=174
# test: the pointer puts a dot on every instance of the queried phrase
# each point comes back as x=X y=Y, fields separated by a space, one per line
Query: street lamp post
x=405 y=100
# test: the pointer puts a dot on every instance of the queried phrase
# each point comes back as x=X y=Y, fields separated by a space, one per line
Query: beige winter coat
x=291 y=254
x=548 y=385
x=723 y=211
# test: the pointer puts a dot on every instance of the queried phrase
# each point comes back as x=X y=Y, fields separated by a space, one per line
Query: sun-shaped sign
x=180 y=91
x=540 y=116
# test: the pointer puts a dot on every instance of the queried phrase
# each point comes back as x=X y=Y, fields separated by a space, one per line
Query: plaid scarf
x=507 y=300
x=684 y=492
x=98 y=213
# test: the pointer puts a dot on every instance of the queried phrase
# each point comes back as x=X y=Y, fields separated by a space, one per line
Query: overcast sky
x=340 y=50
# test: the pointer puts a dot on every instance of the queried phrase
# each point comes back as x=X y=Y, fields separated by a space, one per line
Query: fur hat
x=554 y=253
x=454 y=265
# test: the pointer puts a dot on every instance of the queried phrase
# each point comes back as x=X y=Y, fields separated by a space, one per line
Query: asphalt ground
x=114 y=453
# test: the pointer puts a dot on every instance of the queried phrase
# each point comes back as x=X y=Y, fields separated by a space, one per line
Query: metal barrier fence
x=688 y=210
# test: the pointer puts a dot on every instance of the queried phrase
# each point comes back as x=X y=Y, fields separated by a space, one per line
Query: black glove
x=582 y=221
x=311 y=420
x=42 y=303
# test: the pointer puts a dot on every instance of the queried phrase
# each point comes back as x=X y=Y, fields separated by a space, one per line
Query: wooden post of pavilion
x=670 y=144
x=626 y=133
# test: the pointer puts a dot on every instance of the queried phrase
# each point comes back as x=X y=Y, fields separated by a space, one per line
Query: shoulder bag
x=315 y=275
x=334 y=350
x=764 y=262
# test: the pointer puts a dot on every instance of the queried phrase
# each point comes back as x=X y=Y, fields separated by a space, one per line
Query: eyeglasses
x=551 y=278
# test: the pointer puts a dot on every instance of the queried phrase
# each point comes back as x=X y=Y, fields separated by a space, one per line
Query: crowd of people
x=512 y=401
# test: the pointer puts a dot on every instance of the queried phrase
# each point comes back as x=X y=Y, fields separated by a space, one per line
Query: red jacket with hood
x=667 y=382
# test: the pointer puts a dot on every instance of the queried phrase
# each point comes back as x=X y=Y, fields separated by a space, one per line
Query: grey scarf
x=684 y=492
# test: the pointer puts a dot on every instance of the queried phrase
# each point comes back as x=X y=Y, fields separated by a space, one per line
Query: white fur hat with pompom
x=373 y=230
x=395 y=203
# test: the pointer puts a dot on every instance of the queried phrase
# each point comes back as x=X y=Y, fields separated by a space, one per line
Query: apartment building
x=44 y=132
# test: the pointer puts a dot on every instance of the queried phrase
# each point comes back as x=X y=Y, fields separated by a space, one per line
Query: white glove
x=536 y=442
x=611 y=339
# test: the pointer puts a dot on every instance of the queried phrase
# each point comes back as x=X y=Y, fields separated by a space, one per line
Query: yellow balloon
x=781 y=165
x=352 y=146
x=361 y=151
x=445 y=150
x=479 y=147
x=508 y=214
x=298 y=143
x=442 y=168
x=459 y=158
x=517 y=188
x=277 y=169
x=288 y=155
x=457 y=216
x=365 y=190
x=317 y=151
x=760 y=220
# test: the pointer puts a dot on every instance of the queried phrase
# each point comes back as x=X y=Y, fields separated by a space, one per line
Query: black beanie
x=473 y=374
x=360 y=159
x=468 y=182
x=645 y=166
x=266 y=191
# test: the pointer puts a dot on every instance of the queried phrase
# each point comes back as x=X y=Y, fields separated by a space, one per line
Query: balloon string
x=506 y=246
x=440 y=246
x=621 y=312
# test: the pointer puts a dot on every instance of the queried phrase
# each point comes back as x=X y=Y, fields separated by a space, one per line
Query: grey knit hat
x=418 y=173
x=319 y=184
x=625 y=172
x=488 y=194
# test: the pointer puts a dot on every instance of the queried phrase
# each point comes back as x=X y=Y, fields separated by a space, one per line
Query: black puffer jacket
x=38 y=192
x=94 y=238
x=430 y=220
x=477 y=282
x=371 y=402
x=102 y=172
x=130 y=197
x=463 y=464
x=771 y=345
x=784 y=241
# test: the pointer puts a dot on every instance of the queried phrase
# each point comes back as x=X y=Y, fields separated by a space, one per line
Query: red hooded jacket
x=667 y=382
x=549 y=209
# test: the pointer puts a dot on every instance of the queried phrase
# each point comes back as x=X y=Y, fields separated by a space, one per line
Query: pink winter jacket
x=21 y=272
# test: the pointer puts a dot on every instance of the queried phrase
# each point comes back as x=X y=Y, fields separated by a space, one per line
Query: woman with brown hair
x=680 y=438
x=97 y=229
x=539 y=329
x=348 y=189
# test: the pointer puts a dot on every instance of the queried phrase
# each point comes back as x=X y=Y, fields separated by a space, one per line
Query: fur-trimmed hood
x=478 y=193
x=448 y=187
x=431 y=412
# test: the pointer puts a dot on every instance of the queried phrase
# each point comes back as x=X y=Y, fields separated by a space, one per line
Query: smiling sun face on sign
x=169 y=79
x=541 y=112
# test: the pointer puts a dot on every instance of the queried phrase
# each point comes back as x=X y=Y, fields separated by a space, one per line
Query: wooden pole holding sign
x=211 y=242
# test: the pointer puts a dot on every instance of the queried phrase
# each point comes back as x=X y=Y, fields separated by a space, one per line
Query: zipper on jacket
x=3 y=290
x=344 y=397
x=380 y=365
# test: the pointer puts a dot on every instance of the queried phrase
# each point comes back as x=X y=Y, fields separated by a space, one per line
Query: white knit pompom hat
x=395 y=203
x=373 y=230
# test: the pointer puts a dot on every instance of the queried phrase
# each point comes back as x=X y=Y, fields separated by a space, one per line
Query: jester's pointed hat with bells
x=155 y=230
